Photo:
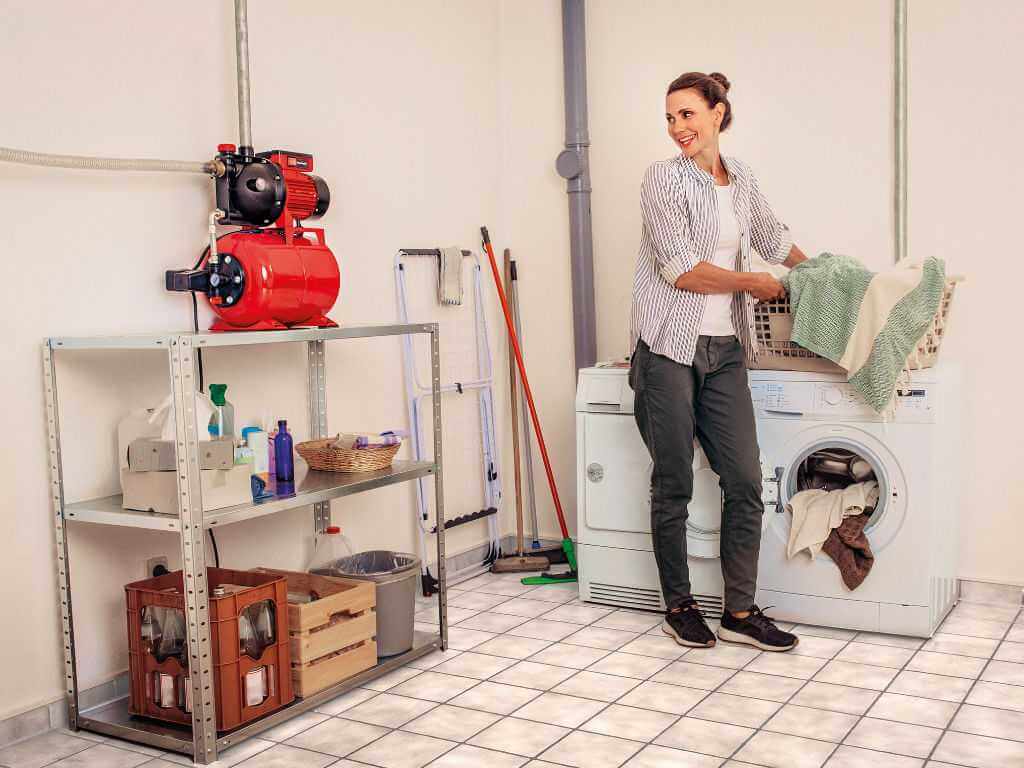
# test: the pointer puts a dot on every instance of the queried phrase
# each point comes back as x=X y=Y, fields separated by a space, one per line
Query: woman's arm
x=666 y=222
x=770 y=237
x=796 y=256
x=707 y=278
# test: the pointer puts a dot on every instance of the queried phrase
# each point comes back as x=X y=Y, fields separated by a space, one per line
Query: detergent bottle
x=222 y=422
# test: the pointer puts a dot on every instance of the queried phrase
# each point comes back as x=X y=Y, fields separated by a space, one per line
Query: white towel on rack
x=449 y=276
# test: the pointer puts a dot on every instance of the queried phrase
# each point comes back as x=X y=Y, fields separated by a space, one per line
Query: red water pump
x=270 y=274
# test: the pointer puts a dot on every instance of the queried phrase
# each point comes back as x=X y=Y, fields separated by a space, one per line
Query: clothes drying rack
x=481 y=384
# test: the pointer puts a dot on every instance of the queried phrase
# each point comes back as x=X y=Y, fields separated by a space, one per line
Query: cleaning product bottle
x=328 y=548
x=222 y=423
x=256 y=439
x=244 y=454
x=284 y=462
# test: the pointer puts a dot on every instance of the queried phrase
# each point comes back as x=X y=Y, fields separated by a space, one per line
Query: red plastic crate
x=230 y=665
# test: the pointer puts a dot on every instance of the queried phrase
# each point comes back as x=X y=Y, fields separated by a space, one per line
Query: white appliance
x=614 y=549
x=914 y=530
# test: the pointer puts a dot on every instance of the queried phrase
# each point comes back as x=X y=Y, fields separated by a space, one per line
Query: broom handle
x=514 y=398
x=526 y=382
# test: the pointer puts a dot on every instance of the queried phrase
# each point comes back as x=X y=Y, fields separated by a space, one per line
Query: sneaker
x=687 y=627
x=757 y=630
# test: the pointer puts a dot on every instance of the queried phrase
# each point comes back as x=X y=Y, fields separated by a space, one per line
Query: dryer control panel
x=827 y=401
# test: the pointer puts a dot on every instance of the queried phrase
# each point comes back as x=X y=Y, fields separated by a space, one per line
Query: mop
x=517 y=562
x=567 y=545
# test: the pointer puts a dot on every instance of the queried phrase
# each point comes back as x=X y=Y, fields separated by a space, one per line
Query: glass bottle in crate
x=329 y=547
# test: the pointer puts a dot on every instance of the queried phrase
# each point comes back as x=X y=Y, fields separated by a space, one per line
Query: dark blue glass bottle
x=284 y=461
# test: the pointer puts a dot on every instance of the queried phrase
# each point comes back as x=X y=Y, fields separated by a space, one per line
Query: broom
x=518 y=562
x=567 y=545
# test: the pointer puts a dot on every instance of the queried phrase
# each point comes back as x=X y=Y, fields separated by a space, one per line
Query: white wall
x=427 y=121
x=399 y=105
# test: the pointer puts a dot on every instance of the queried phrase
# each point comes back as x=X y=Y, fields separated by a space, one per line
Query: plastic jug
x=329 y=547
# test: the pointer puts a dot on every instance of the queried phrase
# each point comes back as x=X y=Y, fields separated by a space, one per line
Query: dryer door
x=618 y=485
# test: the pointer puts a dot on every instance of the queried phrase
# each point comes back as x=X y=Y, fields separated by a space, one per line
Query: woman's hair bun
x=721 y=79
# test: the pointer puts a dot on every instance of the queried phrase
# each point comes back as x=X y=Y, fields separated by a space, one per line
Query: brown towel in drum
x=848 y=546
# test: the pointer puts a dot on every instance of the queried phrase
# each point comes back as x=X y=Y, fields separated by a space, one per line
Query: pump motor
x=273 y=273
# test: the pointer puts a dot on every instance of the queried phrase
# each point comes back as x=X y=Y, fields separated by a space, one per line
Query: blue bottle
x=284 y=462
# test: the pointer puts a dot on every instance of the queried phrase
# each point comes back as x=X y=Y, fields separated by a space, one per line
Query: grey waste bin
x=395 y=574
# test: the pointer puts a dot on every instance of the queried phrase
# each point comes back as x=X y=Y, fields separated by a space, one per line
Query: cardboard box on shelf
x=148 y=454
x=158 y=491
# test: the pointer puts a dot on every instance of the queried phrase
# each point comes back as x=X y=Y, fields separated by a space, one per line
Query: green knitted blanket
x=868 y=323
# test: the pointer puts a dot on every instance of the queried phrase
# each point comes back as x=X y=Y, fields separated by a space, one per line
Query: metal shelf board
x=313 y=488
x=113 y=719
x=239 y=338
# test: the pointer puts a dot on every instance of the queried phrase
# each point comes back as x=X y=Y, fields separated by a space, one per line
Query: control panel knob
x=833 y=395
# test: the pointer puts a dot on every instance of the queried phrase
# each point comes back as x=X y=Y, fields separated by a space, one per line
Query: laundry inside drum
x=833 y=469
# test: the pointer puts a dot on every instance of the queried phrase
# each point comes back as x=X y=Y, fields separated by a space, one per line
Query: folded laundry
x=359 y=441
x=849 y=547
x=865 y=322
x=815 y=513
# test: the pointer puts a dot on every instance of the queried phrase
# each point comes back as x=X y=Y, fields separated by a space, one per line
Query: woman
x=692 y=328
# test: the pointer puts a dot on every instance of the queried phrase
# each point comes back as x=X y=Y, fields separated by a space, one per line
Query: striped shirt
x=680 y=230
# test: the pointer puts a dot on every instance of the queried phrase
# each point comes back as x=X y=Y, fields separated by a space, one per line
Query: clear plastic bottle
x=329 y=547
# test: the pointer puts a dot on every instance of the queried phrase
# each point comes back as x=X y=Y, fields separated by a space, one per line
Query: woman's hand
x=764 y=287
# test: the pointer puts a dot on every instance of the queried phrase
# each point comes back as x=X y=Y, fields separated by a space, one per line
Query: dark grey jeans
x=709 y=399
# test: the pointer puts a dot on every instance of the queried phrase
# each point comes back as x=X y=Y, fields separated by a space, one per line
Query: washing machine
x=913 y=532
x=614 y=547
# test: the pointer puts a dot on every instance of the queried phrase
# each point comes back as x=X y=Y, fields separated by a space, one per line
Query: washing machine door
x=781 y=467
x=618 y=485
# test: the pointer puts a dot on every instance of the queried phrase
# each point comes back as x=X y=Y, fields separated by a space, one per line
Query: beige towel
x=816 y=513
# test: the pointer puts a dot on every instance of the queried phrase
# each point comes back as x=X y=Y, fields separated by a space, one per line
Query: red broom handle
x=526 y=382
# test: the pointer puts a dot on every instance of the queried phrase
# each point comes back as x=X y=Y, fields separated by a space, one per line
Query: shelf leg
x=63 y=566
x=193 y=551
x=435 y=392
x=317 y=386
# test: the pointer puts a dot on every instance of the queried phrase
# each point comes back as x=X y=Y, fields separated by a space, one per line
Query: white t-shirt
x=717 y=320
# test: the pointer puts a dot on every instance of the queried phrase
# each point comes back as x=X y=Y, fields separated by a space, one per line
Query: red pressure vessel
x=285 y=284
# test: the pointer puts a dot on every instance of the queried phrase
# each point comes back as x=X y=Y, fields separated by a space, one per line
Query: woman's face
x=692 y=124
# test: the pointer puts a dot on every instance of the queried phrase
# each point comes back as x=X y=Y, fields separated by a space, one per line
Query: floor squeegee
x=567 y=545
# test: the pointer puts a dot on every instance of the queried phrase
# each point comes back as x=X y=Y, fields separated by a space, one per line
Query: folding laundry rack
x=482 y=384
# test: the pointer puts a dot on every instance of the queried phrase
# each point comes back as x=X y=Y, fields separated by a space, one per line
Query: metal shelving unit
x=314 y=489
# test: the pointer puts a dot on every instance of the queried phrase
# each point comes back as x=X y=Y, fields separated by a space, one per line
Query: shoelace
x=691 y=616
x=758 y=618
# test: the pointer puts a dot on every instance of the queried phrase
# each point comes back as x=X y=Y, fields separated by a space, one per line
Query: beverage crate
x=333 y=636
x=245 y=688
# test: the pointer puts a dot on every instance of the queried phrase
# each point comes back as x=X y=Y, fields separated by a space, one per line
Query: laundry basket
x=773 y=329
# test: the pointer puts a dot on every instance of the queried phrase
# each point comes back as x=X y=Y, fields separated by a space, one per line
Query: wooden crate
x=333 y=637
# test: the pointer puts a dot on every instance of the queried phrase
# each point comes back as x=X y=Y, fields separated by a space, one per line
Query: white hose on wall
x=103 y=163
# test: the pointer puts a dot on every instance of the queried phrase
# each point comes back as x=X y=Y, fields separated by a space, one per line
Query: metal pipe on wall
x=901 y=129
x=245 y=145
x=573 y=164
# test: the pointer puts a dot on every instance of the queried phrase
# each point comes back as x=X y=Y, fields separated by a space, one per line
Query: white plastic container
x=257 y=440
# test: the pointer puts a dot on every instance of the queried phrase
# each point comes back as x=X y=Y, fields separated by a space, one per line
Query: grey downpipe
x=901 y=130
x=242 y=57
x=573 y=164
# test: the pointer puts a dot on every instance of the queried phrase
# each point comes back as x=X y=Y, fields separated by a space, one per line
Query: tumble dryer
x=614 y=547
x=913 y=531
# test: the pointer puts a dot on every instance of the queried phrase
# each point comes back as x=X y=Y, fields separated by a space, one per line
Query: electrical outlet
x=152 y=563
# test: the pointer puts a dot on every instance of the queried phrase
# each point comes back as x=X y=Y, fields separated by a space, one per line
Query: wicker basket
x=321 y=455
x=773 y=327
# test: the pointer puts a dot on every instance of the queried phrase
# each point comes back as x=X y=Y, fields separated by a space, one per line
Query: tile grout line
x=967 y=695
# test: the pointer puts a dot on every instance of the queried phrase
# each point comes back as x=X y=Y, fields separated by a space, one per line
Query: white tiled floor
x=536 y=679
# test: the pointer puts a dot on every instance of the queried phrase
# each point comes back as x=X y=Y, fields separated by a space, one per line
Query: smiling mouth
x=686 y=141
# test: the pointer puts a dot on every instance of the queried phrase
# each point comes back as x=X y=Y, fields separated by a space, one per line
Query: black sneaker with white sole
x=757 y=630
x=687 y=627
